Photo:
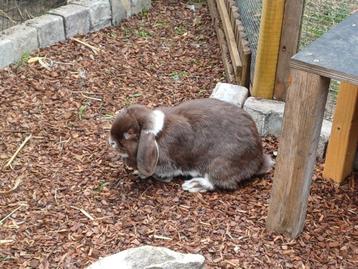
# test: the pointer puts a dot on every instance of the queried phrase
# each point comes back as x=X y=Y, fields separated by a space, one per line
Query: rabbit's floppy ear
x=147 y=154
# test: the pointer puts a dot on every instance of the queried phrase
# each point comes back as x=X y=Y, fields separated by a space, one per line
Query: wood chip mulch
x=72 y=202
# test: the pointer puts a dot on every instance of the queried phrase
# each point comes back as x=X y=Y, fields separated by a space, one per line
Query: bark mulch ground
x=74 y=203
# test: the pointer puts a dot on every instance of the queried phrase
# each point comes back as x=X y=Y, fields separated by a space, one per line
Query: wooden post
x=229 y=72
x=342 y=144
x=290 y=36
x=230 y=38
x=302 y=123
x=267 y=49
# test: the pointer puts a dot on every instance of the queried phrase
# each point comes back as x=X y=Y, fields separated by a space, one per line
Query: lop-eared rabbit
x=214 y=142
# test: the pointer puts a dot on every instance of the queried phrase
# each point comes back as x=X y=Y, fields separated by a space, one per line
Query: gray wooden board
x=334 y=55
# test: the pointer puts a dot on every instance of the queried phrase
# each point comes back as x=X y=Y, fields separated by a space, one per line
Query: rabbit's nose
x=112 y=143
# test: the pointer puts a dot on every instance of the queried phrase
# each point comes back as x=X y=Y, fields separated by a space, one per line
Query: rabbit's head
x=133 y=134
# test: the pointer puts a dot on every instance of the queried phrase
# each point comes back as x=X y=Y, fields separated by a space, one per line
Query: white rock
x=121 y=9
x=323 y=138
x=150 y=257
x=100 y=12
x=76 y=19
x=231 y=93
x=267 y=114
x=22 y=38
x=50 y=29
x=138 y=6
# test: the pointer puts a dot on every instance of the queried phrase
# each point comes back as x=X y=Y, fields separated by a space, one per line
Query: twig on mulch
x=17 y=151
x=92 y=98
x=12 y=212
x=43 y=61
x=84 y=212
x=6 y=241
x=17 y=183
x=93 y=48
x=161 y=237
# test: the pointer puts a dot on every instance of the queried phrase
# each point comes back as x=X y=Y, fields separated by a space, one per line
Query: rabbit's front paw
x=198 y=184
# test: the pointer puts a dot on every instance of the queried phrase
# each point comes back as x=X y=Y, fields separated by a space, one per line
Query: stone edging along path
x=77 y=17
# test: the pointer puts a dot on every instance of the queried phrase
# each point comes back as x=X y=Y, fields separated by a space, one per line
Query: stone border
x=268 y=114
x=77 y=17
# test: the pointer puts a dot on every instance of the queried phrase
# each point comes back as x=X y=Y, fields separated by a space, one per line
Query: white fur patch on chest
x=157 y=118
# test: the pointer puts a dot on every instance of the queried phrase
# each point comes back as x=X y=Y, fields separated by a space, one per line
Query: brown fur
x=208 y=136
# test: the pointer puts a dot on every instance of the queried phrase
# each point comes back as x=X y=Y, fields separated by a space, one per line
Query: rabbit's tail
x=267 y=165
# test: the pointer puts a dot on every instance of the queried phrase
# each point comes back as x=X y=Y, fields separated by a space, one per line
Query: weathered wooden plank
x=334 y=55
x=229 y=72
x=344 y=135
x=245 y=54
x=290 y=35
x=238 y=29
x=230 y=38
x=303 y=116
x=234 y=16
x=267 y=49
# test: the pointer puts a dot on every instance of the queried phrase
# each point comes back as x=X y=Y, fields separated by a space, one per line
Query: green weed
x=143 y=33
x=101 y=185
x=24 y=59
x=180 y=30
x=82 y=110
x=144 y=13
x=178 y=75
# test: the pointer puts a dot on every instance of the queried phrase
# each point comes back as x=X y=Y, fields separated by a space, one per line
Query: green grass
x=320 y=15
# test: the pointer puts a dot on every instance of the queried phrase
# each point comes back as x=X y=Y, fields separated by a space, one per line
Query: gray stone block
x=50 y=29
x=267 y=114
x=76 y=19
x=121 y=9
x=6 y=52
x=323 y=138
x=138 y=6
x=23 y=40
x=100 y=12
x=231 y=93
x=150 y=257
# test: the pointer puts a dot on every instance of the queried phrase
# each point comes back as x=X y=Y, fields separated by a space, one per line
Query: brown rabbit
x=215 y=142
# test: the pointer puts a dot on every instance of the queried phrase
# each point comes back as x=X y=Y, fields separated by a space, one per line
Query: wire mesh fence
x=250 y=14
x=13 y=12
